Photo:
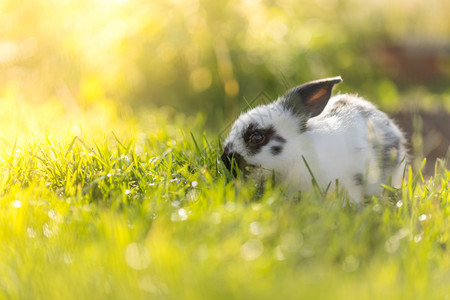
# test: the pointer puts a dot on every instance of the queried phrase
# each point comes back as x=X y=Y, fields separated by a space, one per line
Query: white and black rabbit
x=342 y=138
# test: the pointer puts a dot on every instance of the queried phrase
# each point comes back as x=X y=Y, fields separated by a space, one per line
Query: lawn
x=146 y=210
x=111 y=121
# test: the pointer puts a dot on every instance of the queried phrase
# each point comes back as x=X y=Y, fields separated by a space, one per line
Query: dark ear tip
x=333 y=80
x=324 y=82
x=338 y=78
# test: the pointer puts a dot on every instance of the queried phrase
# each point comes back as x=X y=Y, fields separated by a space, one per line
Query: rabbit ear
x=309 y=99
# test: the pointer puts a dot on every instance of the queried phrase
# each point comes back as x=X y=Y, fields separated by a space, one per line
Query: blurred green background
x=211 y=57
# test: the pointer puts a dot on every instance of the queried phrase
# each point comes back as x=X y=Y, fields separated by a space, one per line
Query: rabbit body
x=343 y=138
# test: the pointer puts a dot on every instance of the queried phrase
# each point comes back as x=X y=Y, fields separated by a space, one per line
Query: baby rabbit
x=305 y=136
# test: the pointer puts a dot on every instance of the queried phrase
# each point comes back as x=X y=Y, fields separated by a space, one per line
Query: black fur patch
x=358 y=179
x=388 y=151
x=279 y=138
x=338 y=106
x=253 y=128
x=227 y=147
x=275 y=150
x=343 y=105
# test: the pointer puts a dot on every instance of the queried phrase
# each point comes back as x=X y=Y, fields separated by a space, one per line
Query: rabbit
x=307 y=137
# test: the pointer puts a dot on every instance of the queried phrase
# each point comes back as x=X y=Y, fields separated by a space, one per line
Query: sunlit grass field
x=110 y=133
x=144 y=210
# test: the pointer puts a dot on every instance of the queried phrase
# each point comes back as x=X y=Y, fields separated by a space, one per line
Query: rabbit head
x=262 y=137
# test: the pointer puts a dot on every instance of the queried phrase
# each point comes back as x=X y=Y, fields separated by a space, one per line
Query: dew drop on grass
x=252 y=249
x=125 y=158
x=137 y=256
x=182 y=213
x=194 y=184
x=417 y=238
x=16 y=204
x=127 y=192
x=52 y=214
x=399 y=203
x=47 y=231
x=422 y=217
x=179 y=215
x=31 y=233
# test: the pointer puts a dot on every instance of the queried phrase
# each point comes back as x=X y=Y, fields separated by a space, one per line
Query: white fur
x=336 y=146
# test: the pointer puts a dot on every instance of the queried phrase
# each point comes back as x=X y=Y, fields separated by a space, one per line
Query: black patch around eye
x=256 y=139
x=275 y=150
x=252 y=129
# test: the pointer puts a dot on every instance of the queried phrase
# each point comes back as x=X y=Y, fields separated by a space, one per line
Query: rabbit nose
x=229 y=157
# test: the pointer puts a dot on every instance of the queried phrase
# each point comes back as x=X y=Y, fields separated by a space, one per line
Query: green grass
x=150 y=213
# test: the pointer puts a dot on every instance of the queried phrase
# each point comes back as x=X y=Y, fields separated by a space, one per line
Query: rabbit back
x=358 y=144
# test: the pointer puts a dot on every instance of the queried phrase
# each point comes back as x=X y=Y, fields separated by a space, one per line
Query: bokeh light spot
x=200 y=79
x=231 y=88
x=252 y=249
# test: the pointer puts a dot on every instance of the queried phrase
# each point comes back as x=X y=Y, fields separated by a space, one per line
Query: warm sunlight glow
x=60 y=61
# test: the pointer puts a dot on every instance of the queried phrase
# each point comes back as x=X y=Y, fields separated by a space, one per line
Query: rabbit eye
x=257 y=139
